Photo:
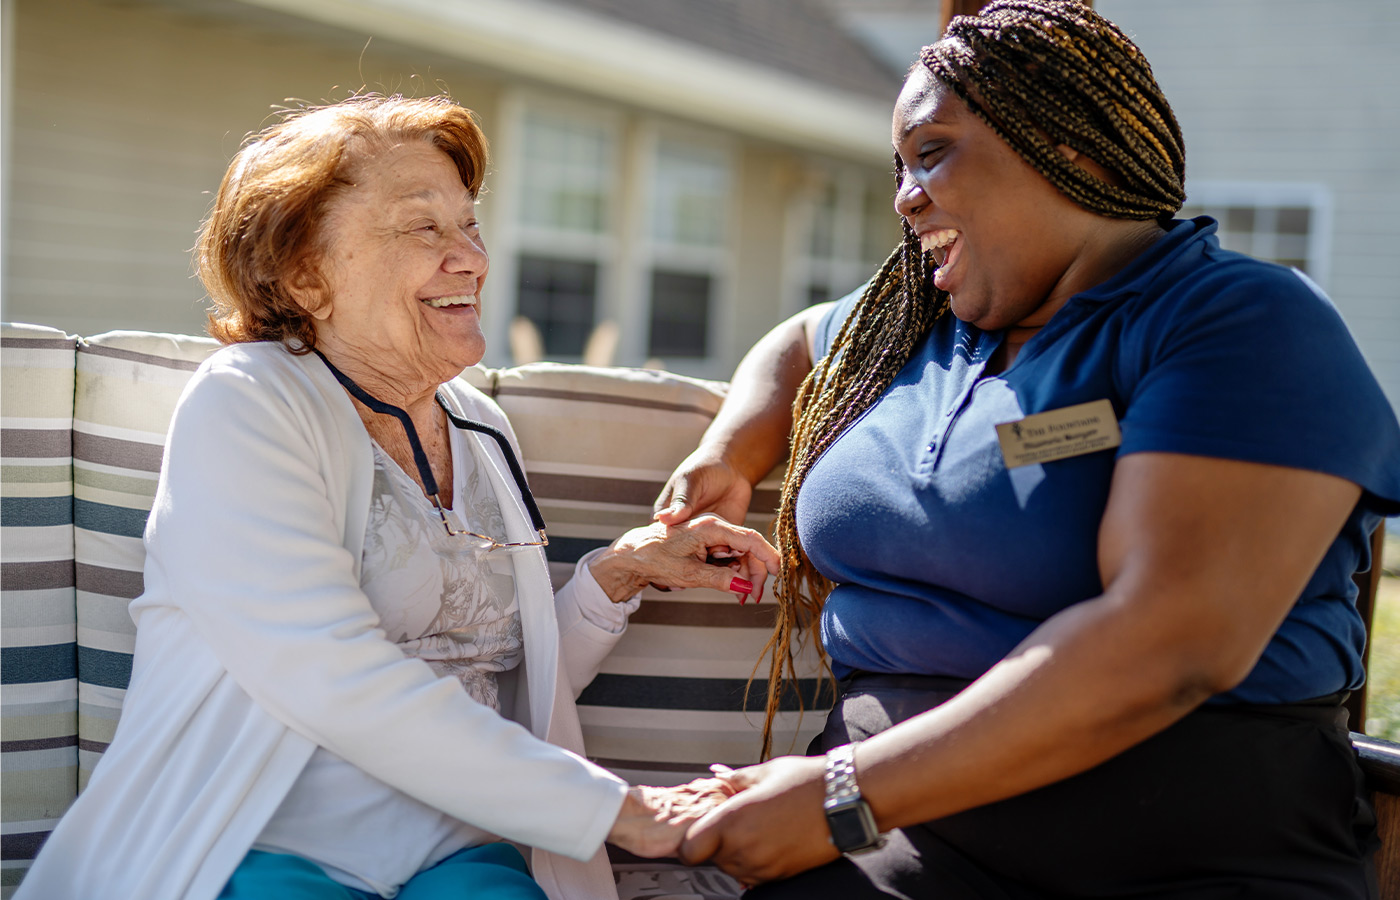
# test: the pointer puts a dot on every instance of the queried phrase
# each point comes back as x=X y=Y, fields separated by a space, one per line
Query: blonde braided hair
x=1039 y=73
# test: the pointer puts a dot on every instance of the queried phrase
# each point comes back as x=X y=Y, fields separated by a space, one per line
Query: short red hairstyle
x=266 y=225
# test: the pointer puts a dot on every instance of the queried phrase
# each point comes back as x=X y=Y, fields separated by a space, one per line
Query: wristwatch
x=847 y=814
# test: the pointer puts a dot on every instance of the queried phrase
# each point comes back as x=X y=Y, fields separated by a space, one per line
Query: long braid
x=898 y=308
x=1039 y=73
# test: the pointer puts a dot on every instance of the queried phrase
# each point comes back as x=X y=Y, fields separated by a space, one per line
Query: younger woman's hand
x=676 y=556
x=704 y=482
x=773 y=828
x=653 y=820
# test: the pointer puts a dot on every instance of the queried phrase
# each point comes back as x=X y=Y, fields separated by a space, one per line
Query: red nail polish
x=741 y=586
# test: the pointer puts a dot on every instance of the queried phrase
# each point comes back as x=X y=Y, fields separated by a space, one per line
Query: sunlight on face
x=1003 y=235
x=404 y=265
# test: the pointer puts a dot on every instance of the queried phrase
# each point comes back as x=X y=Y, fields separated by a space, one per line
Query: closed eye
x=929 y=156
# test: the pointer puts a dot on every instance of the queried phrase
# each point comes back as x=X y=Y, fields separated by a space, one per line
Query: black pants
x=1240 y=802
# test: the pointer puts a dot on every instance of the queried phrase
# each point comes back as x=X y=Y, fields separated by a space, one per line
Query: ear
x=309 y=291
x=1088 y=165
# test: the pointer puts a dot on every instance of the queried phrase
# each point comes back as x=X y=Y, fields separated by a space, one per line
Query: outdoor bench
x=84 y=423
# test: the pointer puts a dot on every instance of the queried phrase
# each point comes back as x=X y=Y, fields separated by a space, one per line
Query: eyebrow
x=912 y=126
x=420 y=194
x=424 y=195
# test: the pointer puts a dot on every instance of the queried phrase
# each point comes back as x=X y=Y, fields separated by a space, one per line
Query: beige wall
x=1287 y=91
x=124 y=116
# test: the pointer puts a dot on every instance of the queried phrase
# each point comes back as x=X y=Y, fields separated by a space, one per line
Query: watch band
x=841 y=774
x=847 y=814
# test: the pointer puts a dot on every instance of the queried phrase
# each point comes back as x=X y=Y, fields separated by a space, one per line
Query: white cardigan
x=255 y=645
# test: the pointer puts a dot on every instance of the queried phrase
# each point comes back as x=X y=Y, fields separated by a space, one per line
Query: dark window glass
x=560 y=297
x=680 y=314
x=818 y=293
x=1239 y=219
x=1294 y=220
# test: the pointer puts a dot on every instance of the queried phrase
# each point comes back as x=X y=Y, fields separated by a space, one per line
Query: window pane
x=818 y=293
x=568 y=172
x=680 y=313
x=882 y=232
x=1294 y=220
x=559 y=296
x=1239 y=219
x=824 y=214
x=689 y=195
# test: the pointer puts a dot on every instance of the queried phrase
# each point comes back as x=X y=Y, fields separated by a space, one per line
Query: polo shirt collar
x=1135 y=277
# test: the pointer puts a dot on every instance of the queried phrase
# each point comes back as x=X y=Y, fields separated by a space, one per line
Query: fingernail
x=741 y=586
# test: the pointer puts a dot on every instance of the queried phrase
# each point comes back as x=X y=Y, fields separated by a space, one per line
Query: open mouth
x=940 y=242
x=447 y=302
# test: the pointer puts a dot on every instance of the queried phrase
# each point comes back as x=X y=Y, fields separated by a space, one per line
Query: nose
x=910 y=198
x=467 y=253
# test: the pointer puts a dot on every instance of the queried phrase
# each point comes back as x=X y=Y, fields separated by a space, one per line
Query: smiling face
x=402 y=270
x=1010 y=246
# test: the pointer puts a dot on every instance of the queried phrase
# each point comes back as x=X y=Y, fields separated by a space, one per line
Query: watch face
x=849 y=830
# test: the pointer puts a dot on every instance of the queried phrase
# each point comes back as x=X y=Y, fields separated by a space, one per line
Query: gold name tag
x=1059 y=433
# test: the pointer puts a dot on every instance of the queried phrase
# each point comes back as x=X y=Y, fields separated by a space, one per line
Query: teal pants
x=488 y=872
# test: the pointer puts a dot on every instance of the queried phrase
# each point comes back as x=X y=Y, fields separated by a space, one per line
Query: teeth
x=937 y=240
x=459 y=300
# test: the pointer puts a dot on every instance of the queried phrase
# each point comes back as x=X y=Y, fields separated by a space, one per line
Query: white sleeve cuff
x=593 y=603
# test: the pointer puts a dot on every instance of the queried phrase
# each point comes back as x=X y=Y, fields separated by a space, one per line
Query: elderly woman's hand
x=653 y=820
x=675 y=556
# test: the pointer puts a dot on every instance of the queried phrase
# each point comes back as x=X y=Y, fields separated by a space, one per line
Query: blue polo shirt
x=944 y=559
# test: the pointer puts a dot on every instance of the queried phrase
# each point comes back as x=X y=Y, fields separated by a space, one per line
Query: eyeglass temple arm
x=516 y=472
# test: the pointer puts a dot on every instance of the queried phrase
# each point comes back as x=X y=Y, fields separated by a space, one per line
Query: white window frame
x=1211 y=197
x=842 y=273
x=508 y=237
x=648 y=252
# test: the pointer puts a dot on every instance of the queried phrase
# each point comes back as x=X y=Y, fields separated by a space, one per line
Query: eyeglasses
x=425 y=471
x=516 y=472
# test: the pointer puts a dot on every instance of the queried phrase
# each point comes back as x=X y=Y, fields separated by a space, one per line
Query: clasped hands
x=758 y=824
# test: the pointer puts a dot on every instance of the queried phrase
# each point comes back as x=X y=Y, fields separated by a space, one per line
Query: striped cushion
x=598 y=445
x=38 y=664
x=127 y=386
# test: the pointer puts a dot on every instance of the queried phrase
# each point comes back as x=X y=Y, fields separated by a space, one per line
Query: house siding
x=123 y=121
x=1296 y=91
x=122 y=118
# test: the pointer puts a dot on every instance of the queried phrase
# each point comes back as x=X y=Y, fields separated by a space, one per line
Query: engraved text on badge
x=1059 y=433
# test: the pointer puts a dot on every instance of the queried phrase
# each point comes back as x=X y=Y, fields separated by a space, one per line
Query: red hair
x=265 y=228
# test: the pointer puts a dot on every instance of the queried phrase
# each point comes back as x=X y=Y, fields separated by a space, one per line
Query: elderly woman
x=351 y=676
x=1092 y=614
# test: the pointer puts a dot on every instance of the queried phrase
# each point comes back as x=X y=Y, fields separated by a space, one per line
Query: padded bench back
x=598 y=446
x=38 y=623
x=127 y=386
x=84 y=429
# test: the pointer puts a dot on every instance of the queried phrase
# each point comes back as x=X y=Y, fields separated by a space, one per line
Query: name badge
x=1059 y=434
